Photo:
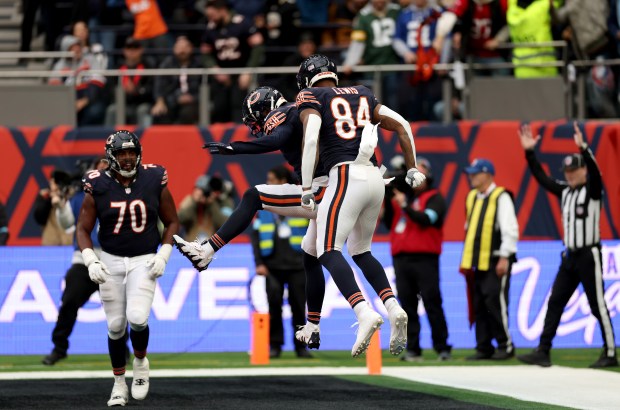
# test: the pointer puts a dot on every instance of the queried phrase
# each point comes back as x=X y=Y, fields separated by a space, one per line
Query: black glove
x=219 y=148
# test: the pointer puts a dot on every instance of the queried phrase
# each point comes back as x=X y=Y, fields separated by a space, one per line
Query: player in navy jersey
x=127 y=199
x=342 y=118
x=276 y=124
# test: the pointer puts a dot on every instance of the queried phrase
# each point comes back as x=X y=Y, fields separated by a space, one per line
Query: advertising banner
x=210 y=311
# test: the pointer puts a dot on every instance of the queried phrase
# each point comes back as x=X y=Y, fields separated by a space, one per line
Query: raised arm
x=528 y=142
x=595 y=179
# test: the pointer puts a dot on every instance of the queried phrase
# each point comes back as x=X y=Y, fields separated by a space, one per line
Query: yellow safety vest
x=531 y=25
x=481 y=238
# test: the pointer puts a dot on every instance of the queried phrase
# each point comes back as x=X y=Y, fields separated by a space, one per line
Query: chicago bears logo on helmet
x=257 y=105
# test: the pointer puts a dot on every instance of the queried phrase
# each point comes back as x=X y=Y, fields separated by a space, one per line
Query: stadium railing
x=572 y=72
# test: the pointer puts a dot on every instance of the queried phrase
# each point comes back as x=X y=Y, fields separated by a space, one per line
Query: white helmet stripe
x=322 y=76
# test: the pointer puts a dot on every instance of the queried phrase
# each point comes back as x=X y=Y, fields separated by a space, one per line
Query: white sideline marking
x=253 y=371
x=563 y=386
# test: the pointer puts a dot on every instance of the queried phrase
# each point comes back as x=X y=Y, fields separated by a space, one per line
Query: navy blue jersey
x=344 y=113
x=282 y=131
x=229 y=43
x=128 y=216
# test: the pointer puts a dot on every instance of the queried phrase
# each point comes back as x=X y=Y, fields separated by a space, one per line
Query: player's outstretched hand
x=98 y=272
x=414 y=178
x=307 y=200
x=219 y=148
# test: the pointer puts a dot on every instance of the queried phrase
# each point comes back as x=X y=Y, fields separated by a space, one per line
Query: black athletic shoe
x=274 y=352
x=538 y=357
x=605 y=361
x=503 y=354
x=303 y=353
x=479 y=356
x=53 y=357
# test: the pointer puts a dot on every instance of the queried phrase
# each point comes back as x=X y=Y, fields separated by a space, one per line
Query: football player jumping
x=345 y=120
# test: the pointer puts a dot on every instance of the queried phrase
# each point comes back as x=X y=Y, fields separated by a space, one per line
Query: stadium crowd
x=143 y=34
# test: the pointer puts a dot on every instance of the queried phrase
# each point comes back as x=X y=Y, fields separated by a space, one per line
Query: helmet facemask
x=119 y=141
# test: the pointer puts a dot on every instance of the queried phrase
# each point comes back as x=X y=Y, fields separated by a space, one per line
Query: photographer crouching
x=49 y=203
x=205 y=210
x=415 y=219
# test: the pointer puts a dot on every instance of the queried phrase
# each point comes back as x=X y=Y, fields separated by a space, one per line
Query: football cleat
x=398 y=329
x=310 y=335
x=369 y=322
x=193 y=251
x=140 y=384
x=120 y=394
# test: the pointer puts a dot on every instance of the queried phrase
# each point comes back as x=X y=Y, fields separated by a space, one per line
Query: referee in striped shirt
x=581 y=196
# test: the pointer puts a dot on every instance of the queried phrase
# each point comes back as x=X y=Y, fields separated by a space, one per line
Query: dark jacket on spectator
x=169 y=87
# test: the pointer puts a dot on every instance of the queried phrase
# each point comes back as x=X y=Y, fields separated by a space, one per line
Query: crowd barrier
x=29 y=155
x=210 y=311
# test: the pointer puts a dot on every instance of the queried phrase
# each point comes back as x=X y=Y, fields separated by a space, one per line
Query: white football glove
x=307 y=200
x=97 y=271
x=414 y=178
x=157 y=264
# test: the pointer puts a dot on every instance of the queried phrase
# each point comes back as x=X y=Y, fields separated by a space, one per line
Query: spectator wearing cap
x=205 y=210
x=415 y=219
x=138 y=88
x=90 y=102
x=581 y=195
x=491 y=235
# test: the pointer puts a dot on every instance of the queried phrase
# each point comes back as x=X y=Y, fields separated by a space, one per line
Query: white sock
x=208 y=249
x=119 y=379
x=391 y=303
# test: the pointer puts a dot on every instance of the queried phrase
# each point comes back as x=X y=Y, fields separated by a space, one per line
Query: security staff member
x=490 y=246
x=278 y=256
x=581 y=260
x=415 y=219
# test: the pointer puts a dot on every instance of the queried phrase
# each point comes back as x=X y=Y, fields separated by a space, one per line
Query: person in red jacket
x=415 y=220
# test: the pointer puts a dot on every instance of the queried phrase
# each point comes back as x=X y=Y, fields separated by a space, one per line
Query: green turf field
x=578 y=358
